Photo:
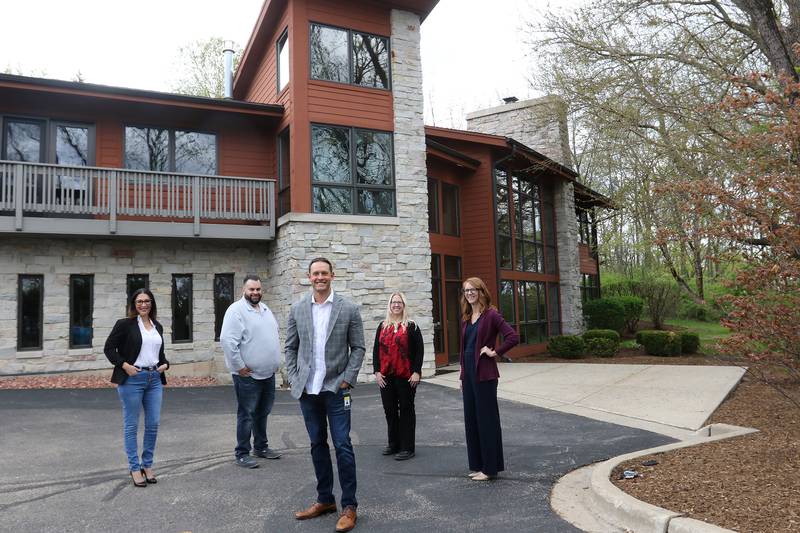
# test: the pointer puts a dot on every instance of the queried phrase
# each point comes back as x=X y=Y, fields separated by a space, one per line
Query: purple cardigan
x=490 y=326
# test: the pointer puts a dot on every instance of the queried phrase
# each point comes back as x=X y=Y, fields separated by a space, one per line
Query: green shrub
x=604 y=313
x=693 y=311
x=639 y=337
x=690 y=342
x=661 y=297
x=664 y=343
x=633 y=306
x=566 y=346
x=602 y=346
x=601 y=334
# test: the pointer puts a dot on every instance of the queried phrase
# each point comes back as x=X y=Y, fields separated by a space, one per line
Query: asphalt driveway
x=62 y=466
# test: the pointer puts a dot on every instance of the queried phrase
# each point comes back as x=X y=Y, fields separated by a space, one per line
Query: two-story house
x=321 y=150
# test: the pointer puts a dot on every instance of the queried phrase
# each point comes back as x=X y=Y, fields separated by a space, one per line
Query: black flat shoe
x=389 y=451
x=404 y=455
x=151 y=480
x=138 y=484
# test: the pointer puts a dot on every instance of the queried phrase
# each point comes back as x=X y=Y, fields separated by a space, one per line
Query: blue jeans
x=255 y=398
x=142 y=390
x=319 y=410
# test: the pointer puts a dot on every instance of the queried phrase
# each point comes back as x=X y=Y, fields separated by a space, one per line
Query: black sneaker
x=245 y=461
x=403 y=456
x=388 y=450
x=268 y=453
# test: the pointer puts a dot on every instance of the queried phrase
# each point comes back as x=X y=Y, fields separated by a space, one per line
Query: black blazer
x=123 y=346
x=416 y=348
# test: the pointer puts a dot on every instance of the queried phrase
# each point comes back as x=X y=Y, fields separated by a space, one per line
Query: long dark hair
x=132 y=304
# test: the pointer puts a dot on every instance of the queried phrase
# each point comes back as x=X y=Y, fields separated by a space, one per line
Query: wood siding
x=587 y=262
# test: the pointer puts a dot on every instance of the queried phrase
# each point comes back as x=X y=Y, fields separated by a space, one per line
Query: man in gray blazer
x=324 y=350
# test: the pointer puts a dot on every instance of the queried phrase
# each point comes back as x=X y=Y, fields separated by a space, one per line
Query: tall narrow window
x=181 y=308
x=452 y=274
x=533 y=312
x=450 y=214
x=433 y=205
x=30 y=303
x=503 y=220
x=507 y=305
x=223 y=298
x=80 y=310
x=283 y=60
x=284 y=173
x=134 y=282
x=436 y=295
x=553 y=309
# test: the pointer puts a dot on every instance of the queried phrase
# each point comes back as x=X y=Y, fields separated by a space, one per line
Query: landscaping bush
x=633 y=306
x=601 y=334
x=602 y=346
x=604 y=313
x=661 y=297
x=690 y=342
x=566 y=346
x=663 y=343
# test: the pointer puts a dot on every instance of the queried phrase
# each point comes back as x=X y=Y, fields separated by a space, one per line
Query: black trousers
x=482 y=425
x=398 y=406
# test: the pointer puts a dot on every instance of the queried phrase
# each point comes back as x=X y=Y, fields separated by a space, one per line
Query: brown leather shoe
x=347 y=520
x=317 y=509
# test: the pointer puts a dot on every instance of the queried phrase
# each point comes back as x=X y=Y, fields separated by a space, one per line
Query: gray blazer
x=344 y=348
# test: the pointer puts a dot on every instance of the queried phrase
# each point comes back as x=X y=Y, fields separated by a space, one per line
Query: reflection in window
x=283 y=61
x=553 y=309
x=164 y=150
x=433 y=206
x=72 y=145
x=507 y=307
x=533 y=313
x=23 y=141
x=370 y=60
x=30 y=302
x=338 y=187
x=181 y=308
x=349 y=57
x=195 y=153
x=329 y=53
x=133 y=283
x=224 y=294
x=590 y=287
x=80 y=310
x=450 y=222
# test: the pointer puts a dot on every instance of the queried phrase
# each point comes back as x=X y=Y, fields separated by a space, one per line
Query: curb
x=617 y=507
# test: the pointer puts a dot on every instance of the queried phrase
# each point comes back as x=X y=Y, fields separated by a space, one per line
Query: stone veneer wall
x=541 y=124
x=372 y=256
x=110 y=260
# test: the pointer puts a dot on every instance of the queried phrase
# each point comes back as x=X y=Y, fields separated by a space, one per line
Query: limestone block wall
x=110 y=260
x=539 y=123
x=568 y=259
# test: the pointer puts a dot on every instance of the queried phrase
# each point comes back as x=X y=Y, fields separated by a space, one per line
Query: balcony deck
x=38 y=198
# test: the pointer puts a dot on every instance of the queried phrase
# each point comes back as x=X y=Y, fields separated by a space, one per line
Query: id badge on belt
x=346 y=398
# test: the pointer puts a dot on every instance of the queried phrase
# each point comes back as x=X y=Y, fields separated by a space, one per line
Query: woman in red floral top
x=397 y=363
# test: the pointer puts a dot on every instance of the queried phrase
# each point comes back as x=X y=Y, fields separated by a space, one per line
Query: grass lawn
x=709 y=332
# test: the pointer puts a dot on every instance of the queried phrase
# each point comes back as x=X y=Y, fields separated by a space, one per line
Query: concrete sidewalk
x=673 y=400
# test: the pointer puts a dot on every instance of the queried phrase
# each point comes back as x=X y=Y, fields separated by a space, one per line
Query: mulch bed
x=83 y=381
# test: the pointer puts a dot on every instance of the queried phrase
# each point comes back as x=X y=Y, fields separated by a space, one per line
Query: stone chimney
x=540 y=123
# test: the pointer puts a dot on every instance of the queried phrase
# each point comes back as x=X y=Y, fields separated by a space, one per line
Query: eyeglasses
x=470 y=291
x=143 y=302
x=397 y=303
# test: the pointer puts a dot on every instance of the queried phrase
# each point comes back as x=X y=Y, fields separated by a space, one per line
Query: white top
x=151 y=345
x=249 y=337
x=321 y=315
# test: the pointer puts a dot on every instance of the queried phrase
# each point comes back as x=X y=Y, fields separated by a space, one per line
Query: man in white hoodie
x=249 y=338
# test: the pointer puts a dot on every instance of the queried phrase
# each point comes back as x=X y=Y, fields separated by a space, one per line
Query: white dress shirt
x=151 y=345
x=321 y=316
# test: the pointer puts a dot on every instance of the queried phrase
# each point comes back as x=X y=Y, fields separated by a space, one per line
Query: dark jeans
x=318 y=411
x=398 y=406
x=482 y=425
x=255 y=398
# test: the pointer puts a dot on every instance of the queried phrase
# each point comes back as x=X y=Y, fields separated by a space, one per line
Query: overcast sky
x=473 y=51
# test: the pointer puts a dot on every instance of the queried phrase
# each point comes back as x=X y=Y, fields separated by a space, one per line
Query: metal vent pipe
x=228 y=75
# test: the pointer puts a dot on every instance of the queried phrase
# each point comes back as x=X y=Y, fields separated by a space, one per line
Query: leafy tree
x=201 y=67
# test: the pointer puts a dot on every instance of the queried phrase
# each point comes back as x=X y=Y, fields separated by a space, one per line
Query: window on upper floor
x=433 y=205
x=525 y=224
x=47 y=141
x=283 y=60
x=349 y=56
x=443 y=208
x=352 y=171
x=167 y=150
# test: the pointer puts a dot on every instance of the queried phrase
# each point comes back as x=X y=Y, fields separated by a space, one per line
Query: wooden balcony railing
x=55 y=199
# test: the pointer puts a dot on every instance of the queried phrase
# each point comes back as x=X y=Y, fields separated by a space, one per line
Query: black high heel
x=138 y=484
x=151 y=480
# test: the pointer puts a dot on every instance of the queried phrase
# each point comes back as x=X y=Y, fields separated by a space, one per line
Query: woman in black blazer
x=397 y=363
x=136 y=349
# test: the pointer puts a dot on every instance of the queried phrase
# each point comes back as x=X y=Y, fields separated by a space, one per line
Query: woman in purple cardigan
x=481 y=323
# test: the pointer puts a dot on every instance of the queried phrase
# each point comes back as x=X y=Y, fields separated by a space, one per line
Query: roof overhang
x=47 y=86
x=449 y=155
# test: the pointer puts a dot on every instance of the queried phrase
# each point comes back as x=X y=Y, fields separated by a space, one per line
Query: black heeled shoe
x=151 y=480
x=138 y=483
